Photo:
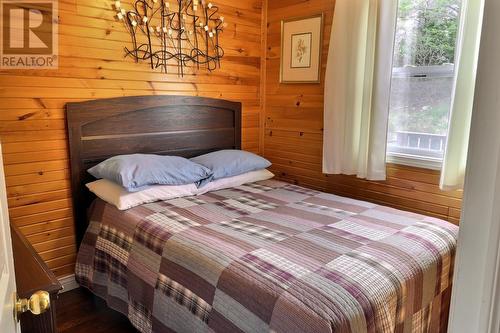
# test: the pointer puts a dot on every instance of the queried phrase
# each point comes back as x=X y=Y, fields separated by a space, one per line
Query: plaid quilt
x=270 y=256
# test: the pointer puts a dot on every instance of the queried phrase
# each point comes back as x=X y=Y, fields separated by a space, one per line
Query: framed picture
x=301 y=44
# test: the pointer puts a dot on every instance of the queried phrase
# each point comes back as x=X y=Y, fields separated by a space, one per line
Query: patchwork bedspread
x=269 y=256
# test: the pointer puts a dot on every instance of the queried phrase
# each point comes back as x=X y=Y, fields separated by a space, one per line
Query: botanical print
x=301 y=50
x=301 y=42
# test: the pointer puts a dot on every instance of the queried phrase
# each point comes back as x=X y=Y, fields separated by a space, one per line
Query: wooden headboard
x=173 y=125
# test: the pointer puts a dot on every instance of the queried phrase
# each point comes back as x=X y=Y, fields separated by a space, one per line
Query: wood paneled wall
x=91 y=65
x=293 y=133
x=284 y=122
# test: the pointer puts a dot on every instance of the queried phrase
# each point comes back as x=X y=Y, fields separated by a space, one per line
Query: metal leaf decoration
x=181 y=33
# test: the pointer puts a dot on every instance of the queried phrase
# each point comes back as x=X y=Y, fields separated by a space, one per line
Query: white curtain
x=357 y=88
x=455 y=160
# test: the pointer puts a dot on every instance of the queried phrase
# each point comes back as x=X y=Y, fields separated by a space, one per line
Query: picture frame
x=301 y=49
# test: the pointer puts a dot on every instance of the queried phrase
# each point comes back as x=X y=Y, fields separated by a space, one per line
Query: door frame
x=7 y=321
x=475 y=305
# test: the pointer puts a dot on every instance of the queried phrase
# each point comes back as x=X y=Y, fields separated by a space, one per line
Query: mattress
x=270 y=256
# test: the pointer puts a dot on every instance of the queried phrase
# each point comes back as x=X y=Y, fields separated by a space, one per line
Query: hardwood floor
x=78 y=311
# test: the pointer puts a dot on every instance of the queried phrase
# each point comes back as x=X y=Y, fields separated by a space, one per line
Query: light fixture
x=181 y=32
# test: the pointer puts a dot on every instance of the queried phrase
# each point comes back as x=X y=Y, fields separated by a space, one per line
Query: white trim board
x=414 y=161
x=68 y=282
x=473 y=305
x=494 y=325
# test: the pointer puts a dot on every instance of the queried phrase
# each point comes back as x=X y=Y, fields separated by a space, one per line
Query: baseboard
x=68 y=282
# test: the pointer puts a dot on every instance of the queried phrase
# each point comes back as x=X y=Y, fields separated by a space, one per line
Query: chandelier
x=179 y=32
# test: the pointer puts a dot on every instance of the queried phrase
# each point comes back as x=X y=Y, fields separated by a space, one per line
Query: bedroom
x=99 y=94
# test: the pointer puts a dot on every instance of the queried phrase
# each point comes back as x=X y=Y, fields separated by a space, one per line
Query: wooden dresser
x=32 y=275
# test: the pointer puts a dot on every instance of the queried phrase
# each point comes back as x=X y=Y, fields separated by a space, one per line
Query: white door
x=7 y=277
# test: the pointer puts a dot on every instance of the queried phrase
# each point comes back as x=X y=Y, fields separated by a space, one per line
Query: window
x=422 y=81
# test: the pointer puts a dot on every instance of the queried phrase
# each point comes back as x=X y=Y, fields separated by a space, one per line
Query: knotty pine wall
x=284 y=122
x=91 y=66
x=293 y=123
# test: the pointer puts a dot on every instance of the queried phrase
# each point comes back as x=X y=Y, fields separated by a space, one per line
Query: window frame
x=421 y=161
x=414 y=161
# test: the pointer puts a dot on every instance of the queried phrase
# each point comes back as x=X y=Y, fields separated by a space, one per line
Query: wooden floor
x=78 y=311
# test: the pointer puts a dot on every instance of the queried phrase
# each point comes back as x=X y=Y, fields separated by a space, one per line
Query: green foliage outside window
x=427 y=32
x=426 y=35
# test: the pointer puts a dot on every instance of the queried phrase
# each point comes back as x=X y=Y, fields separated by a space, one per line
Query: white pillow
x=120 y=198
x=117 y=196
x=248 y=177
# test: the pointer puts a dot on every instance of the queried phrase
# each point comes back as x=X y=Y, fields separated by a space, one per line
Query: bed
x=265 y=256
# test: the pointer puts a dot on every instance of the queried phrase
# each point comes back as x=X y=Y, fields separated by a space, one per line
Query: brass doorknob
x=37 y=304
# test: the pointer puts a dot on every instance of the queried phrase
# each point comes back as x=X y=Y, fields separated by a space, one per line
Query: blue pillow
x=137 y=171
x=228 y=163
